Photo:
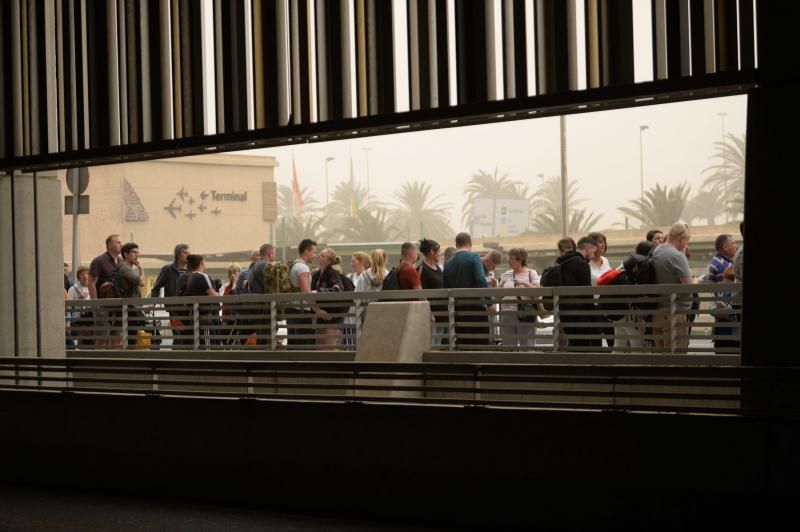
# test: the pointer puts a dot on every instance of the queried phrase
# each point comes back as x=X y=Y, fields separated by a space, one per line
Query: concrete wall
x=31 y=277
x=485 y=468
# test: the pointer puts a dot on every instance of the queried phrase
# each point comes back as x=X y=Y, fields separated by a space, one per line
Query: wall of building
x=214 y=203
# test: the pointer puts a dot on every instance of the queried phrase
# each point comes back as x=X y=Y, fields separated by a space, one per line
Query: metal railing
x=711 y=390
x=703 y=318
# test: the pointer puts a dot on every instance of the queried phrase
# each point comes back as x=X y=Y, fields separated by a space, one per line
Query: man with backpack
x=255 y=285
x=100 y=270
x=572 y=269
x=127 y=280
x=405 y=276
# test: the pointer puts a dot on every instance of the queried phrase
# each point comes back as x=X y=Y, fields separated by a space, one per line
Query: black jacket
x=574 y=269
x=167 y=278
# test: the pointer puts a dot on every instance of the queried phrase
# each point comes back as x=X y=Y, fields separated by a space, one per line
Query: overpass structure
x=121 y=81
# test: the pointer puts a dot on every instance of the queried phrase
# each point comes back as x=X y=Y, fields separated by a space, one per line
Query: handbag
x=528 y=309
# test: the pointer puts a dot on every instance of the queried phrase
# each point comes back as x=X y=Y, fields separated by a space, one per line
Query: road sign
x=83 y=179
x=83 y=204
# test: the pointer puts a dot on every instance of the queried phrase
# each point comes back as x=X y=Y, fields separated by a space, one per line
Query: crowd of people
x=118 y=273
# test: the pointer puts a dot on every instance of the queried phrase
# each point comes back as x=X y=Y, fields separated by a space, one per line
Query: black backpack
x=551 y=276
x=347 y=283
x=639 y=269
x=392 y=281
x=116 y=284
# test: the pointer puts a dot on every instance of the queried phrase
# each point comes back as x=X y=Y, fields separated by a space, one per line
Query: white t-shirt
x=298 y=268
x=508 y=279
x=598 y=271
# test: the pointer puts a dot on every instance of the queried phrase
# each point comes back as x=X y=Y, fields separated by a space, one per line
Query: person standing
x=80 y=292
x=598 y=265
x=407 y=274
x=722 y=262
x=130 y=281
x=301 y=320
x=432 y=278
x=465 y=270
x=167 y=283
x=100 y=270
x=372 y=279
x=575 y=271
x=326 y=280
x=517 y=330
x=672 y=267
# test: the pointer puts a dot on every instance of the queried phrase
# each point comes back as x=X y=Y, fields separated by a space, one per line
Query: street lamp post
x=642 y=129
x=327 y=194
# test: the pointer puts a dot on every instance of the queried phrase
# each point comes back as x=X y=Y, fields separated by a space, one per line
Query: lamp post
x=327 y=194
x=642 y=129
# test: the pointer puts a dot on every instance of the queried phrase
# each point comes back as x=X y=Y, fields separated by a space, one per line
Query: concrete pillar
x=31 y=275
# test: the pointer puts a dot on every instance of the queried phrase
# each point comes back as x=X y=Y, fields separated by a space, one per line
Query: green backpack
x=276 y=277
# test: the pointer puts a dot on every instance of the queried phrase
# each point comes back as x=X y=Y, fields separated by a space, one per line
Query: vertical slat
x=552 y=47
x=145 y=106
x=414 y=52
x=112 y=60
x=17 y=92
x=98 y=68
x=177 y=68
x=384 y=42
x=372 y=58
x=336 y=68
x=518 y=46
x=493 y=41
x=616 y=30
x=311 y=61
x=122 y=47
x=727 y=36
x=301 y=75
x=6 y=102
x=259 y=64
x=697 y=37
x=134 y=71
x=247 y=26
x=84 y=128
x=362 y=75
x=471 y=41
x=659 y=18
x=51 y=76
x=348 y=58
x=208 y=93
x=155 y=59
x=321 y=53
x=284 y=66
x=267 y=55
x=165 y=41
x=593 y=43
x=747 y=55
x=219 y=65
x=673 y=29
x=709 y=34
x=196 y=71
x=685 y=37
x=186 y=68
x=33 y=79
x=424 y=32
x=573 y=54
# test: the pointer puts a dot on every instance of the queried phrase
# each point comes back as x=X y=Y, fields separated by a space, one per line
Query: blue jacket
x=464 y=270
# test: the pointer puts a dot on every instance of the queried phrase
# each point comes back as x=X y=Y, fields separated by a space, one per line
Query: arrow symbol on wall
x=203 y=195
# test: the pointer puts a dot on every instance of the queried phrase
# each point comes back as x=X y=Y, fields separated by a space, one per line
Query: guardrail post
x=358 y=320
x=196 y=324
x=273 y=325
x=124 y=333
x=451 y=322
x=672 y=329
x=556 y=322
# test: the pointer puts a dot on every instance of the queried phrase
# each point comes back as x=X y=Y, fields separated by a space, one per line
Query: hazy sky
x=603 y=154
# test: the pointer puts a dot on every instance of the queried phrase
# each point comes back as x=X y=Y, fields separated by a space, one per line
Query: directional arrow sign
x=203 y=195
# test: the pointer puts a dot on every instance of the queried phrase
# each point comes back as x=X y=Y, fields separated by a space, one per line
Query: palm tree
x=418 y=214
x=292 y=229
x=347 y=199
x=286 y=206
x=546 y=209
x=726 y=175
x=368 y=227
x=661 y=205
x=488 y=186
x=705 y=205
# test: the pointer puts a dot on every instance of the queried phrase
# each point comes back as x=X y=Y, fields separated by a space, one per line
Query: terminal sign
x=228 y=196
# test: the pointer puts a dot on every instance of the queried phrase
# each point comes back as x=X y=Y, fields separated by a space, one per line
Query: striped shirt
x=717 y=267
